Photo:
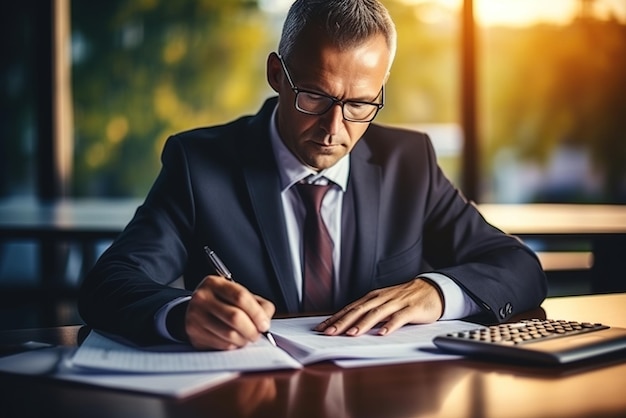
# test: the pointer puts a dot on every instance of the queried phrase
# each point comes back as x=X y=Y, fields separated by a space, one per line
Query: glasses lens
x=318 y=104
x=359 y=111
x=315 y=104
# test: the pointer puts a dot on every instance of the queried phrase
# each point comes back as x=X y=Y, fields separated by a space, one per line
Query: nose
x=332 y=120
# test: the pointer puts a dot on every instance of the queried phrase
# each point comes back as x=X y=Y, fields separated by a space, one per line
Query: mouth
x=324 y=143
x=325 y=148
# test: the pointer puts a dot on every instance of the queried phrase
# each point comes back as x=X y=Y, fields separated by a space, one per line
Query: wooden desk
x=86 y=221
x=89 y=221
x=601 y=228
x=66 y=218
x=563 y=220
x=105 y=218
x=460 y=388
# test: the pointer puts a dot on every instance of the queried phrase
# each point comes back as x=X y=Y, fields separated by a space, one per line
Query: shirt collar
x=292 y=171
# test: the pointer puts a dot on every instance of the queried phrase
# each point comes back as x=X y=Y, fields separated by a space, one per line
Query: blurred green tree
x=552 y=86
x=144 y=69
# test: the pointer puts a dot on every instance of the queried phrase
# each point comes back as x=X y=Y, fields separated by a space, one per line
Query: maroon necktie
x=318 y=252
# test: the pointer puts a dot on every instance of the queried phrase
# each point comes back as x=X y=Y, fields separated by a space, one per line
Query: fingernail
x=330 y=330
x=352 y=331
x=383 y=331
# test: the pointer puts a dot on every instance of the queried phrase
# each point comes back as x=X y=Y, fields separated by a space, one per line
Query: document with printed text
x=298 y=345
x=294 y=335
x=100 y=352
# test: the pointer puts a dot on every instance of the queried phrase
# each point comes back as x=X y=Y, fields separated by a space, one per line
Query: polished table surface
x=458 y=388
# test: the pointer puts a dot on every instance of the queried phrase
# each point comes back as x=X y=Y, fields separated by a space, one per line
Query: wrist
x=436 y=289
x=175 y=322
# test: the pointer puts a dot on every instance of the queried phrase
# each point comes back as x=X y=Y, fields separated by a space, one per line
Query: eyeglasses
x=314 y=103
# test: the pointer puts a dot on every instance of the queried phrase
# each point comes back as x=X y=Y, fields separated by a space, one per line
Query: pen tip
x=271 y=339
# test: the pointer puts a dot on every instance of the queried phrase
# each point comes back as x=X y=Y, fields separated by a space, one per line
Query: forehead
x=320 y=64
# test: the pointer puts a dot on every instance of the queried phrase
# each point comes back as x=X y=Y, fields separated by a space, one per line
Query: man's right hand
x=224 y=315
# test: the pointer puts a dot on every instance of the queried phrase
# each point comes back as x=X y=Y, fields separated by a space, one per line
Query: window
x=549 y=89
x=144 y=70
x=18 y=101
x=552 y=100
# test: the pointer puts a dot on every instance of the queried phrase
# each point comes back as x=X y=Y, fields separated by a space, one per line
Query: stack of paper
x=179 y=370
x=407 y=344
x=56 y=363
x=102 y=353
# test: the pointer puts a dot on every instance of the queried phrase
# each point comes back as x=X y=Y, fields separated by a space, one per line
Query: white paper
x=409 y=343
x=55 y=363
x=298 y=345
x=102 y=353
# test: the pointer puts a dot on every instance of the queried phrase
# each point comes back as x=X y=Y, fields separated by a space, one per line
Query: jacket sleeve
x=129 y=282
x=497 y=270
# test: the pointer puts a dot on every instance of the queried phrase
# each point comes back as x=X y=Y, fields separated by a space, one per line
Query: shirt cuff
x=457 y=304
x=160 y=317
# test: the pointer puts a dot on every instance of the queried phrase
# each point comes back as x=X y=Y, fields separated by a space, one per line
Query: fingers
x=417 y=301
x=267 y=306
x=224 y=315
x=209 y=333
x=360 y=316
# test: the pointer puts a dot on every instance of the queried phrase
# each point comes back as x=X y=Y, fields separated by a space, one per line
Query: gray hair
x=346 y=22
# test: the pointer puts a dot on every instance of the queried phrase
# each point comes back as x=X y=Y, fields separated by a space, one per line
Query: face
x=358 y=73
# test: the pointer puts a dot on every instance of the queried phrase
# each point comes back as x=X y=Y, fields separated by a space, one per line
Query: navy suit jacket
x=219 y=186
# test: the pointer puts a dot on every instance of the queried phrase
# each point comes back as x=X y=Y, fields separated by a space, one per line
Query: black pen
x=223 y=271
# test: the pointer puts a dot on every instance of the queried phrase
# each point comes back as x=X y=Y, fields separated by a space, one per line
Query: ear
x=274 y=72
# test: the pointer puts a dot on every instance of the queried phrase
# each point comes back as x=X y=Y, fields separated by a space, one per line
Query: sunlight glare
x=524 y=12
x=528 y=12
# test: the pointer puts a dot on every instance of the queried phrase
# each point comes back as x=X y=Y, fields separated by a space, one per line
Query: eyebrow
x=352 y=99
x=315 y=90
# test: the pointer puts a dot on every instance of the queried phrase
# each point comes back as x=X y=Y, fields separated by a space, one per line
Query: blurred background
x=525 y=101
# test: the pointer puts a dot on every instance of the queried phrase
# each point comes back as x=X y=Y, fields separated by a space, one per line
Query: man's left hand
x=415 y=302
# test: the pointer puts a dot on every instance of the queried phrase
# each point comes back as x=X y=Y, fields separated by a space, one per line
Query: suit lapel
x=358 y=250
x=263 y=183
x=364 y=190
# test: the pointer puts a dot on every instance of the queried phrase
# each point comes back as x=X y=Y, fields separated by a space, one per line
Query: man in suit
x=407 y=247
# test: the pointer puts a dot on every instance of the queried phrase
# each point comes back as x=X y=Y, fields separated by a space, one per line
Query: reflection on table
x=458 y=388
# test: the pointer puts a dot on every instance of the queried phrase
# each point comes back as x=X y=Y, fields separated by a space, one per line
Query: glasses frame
x=334 y=100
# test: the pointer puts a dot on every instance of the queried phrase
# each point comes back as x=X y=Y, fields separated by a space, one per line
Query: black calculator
x=545 y=341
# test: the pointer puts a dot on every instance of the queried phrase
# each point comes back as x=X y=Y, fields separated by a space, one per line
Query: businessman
x=392 y=241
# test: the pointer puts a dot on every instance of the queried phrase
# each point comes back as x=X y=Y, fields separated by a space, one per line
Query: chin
x=324 y=164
